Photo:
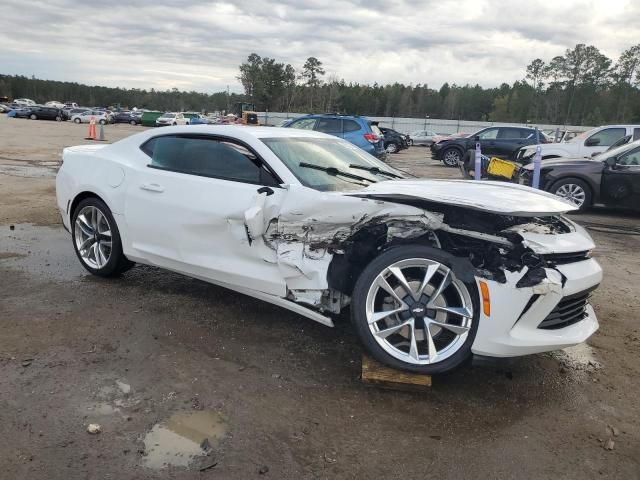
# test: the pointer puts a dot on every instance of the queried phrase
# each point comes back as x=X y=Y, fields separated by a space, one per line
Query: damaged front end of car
x=529 y=261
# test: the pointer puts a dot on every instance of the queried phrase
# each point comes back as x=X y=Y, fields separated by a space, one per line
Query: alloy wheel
x=575 y=194
x=451 y=158
x=392 y=148
x=418 y=311
x=93 y=237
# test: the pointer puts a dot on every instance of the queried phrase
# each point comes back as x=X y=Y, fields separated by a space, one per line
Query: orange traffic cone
x=92 y=129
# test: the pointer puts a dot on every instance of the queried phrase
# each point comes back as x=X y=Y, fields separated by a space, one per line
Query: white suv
x=587 y=144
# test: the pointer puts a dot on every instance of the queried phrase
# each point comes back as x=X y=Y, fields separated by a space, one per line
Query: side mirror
x=592 y=142
x=476 y=138
x=610 y=162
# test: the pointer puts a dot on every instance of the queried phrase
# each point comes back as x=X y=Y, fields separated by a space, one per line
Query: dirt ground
x=161 y=362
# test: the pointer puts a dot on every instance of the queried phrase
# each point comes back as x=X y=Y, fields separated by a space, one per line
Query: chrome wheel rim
x=92 y=234
x=451 y=157
x=418 y=311
x=573 y=193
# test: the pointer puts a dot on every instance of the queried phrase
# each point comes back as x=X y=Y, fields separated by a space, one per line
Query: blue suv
x=357 y=130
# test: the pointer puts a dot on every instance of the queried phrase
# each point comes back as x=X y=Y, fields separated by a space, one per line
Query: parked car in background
x=39 y=112
x=611 y=178
x=422 y=138
x=500 y=141
x=355 y=129
x=126 y=117
x=54 y=104
x=171 y=118
x=4 y=108
x=85 y=117
x=393 y=141
x=25 y=102
x=433 y=271
x=70 y=105
x=591 y=142
x=19 y=112
x=75 y=111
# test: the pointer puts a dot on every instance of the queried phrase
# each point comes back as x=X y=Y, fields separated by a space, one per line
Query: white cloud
x=199 y=44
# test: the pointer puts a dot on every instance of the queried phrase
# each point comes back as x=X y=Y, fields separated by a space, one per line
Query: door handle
x=267 y=190
x=152 y=187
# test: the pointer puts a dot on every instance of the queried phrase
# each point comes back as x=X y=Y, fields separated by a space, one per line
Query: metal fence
x=409 y=125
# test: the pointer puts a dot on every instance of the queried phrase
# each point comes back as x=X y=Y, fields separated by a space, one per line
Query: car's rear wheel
x=391 y=147
x=451 y=157
x=33 y=116
x=58 y=118
x=78 y=121
x=411 y=310
x=573 y=190
x=132 y=122
x=96 y=239
x=410 y=142
x=102 y=122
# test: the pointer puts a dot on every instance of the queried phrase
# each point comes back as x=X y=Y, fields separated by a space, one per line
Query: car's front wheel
x=96 y=239
x=573 y=190
x=451 y=157
x=78 y=121
x=391 y=147
x=33 y=116
x=132 y=122
x=102 y=122
x=412 y=311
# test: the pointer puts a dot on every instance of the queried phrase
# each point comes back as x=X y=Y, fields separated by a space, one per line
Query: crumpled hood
x=494 y=197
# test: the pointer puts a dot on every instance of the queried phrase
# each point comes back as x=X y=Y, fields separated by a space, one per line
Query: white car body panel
x=279 y=247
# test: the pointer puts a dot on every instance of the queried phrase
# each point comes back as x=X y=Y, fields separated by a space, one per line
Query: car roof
x=236 y=131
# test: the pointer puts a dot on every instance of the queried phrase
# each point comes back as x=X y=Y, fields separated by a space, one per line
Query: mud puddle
x=182 y=438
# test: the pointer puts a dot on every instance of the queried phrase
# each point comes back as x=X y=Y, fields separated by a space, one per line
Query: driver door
x=488 y=141
x=621 y=182
x=185 y=210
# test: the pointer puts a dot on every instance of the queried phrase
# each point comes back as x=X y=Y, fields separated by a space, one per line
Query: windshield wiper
x=375 y=170
x=334 y=171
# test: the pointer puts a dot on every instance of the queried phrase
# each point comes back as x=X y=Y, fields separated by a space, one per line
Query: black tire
x=78 y=121
x=565 y=182
x=391 y=147
x=33 y=116
x=102 y=122
x=58 y=118
x=132 y=122
x=117 y=263
x=174 y=124
x=410 y=143
x=359 y=317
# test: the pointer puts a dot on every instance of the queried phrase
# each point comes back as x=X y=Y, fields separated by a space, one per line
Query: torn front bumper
x=513 y=327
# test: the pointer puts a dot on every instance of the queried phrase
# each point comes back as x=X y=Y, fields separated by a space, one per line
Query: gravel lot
x=277 y=396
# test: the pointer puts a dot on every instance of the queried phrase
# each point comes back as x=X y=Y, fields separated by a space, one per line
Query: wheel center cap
x=418 y=310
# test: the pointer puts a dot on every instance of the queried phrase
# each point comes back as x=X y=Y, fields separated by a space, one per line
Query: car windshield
x=616 y=152
x=325 y=160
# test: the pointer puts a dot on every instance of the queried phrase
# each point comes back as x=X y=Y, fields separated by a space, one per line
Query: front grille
x=570 y=310
x=564 y=258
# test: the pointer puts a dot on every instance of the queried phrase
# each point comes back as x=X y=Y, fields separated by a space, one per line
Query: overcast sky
x=198 y=45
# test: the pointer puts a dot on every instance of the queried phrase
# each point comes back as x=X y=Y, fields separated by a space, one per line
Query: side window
x=329 y=125
x=631 y=158
x=207 y=157
x=489 y=134
x=636 y=134
x=350 y=126
x=304 y=124
x=605 y=138
x=510 y=133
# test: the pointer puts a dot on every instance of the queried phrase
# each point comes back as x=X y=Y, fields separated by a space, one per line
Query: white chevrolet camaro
x=433 y=270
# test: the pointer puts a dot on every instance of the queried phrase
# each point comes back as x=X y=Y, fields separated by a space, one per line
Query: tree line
x=581 y=87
